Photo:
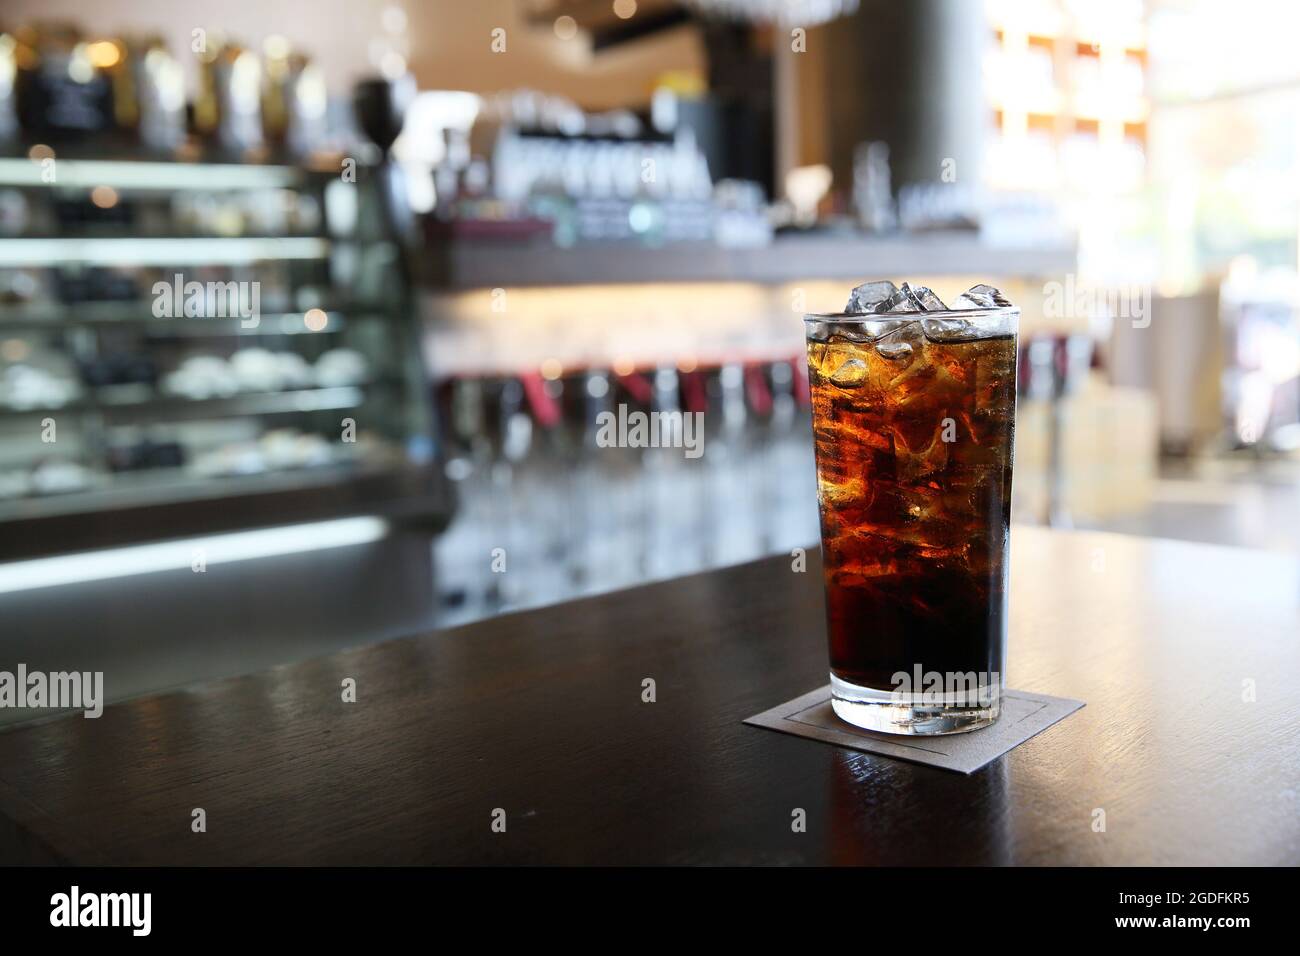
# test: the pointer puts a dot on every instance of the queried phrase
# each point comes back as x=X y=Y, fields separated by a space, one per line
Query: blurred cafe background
x=458 y=232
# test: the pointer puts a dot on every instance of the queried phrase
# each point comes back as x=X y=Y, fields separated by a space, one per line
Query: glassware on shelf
x=228 y=108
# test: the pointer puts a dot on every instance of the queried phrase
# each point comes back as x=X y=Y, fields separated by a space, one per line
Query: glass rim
x=999 y=311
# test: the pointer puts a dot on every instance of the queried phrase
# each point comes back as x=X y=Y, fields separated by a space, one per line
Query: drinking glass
x=913 y=421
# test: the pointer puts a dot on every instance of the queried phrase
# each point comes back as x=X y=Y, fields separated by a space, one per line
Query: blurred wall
x=452 y=49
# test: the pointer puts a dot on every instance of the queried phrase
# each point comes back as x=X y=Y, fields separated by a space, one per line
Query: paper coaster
x=1023 y=715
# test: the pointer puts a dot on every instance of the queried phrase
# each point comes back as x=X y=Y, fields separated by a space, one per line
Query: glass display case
x=191 y=347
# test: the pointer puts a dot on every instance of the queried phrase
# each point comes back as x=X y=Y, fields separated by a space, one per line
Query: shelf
x=463 y=265
x=169 y=408
x=148 y=176
x=167 y=485
x=250 y=403
x=132 y=251
x=153 y=506
x=138 y=315
x=122 y=232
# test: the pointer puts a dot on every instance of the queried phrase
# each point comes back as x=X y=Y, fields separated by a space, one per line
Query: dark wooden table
x=540 y=714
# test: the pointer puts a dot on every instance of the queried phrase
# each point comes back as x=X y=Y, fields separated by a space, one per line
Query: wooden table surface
x=540 y=714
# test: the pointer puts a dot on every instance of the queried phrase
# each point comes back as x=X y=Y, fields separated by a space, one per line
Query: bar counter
x=1185 y=654
x=484 y=264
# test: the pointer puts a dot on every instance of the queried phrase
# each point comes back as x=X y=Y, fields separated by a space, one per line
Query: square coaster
x=1023 y=715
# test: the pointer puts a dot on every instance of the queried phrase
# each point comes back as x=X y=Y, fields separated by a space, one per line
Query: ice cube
x=980 y=297
x=901 y=301
x=925 y=300
x=873 y=329
x=897 y=346
x=962 y=330
x=899 y=349
x=894 y=351
x=852 y=374
x=870 y=296
x=818 y=331
x=952 y=330
x=884 y=299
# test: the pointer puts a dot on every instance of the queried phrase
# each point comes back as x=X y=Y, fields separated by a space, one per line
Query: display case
x=193 y=347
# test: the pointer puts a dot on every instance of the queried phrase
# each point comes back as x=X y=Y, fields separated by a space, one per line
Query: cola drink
x=914 y=419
